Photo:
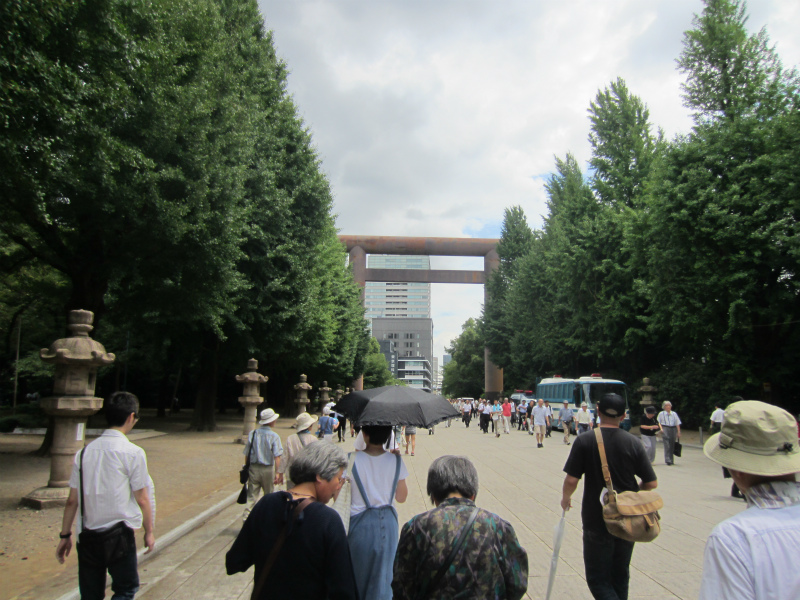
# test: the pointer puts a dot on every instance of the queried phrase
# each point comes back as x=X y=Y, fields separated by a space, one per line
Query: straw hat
x=305 y=420
x=268 y=416
x=756 y=438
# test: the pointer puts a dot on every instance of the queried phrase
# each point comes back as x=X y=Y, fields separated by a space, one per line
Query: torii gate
x=359 y=246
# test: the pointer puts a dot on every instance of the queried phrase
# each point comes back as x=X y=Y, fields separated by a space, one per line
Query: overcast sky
x=432 y=116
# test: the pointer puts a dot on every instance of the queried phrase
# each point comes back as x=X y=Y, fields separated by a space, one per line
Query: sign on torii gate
x=358 y=246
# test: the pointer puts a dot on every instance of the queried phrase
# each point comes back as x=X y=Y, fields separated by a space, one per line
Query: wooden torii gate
x=358 y=246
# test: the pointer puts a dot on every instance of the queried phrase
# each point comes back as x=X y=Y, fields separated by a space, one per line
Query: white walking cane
x=558 y=537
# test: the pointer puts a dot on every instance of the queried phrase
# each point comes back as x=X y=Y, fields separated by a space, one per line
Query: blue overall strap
x=357 y=479
x=396 y=478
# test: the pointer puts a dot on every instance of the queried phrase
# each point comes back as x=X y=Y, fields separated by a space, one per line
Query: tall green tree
x=731 y=73
x=623 y=145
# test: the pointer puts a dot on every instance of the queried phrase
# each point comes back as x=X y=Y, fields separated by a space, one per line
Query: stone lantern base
x=69 y=436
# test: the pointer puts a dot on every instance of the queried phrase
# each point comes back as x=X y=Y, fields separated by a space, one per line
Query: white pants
x=506 y=424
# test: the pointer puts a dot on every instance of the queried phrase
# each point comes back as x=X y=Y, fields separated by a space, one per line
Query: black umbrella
x=395 y=405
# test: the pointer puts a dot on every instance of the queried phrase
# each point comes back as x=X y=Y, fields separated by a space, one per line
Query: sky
x=430 y=117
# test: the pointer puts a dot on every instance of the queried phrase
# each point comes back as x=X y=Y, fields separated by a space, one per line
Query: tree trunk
x=203 y=418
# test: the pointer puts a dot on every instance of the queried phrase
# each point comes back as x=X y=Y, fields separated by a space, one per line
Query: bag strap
x=80 y=471
x=262 y=579
x=450 y=557
x=396 y=478
x=603 y=462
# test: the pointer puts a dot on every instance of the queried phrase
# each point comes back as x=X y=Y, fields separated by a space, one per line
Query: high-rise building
x=410 y=343
x=397 y=299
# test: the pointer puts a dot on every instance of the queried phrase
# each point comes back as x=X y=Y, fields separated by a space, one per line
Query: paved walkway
x=522 y=484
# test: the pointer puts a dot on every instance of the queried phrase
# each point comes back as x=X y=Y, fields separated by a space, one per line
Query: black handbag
x=244 y=472
x=678 y=449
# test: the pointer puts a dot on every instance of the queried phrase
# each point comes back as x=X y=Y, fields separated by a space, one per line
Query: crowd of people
x=303 y=547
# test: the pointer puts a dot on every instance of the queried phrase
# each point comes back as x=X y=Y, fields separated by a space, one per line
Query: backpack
x=631 y=516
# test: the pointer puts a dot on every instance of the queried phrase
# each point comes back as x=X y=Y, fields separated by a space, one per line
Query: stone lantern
x=338 y=393
x=250 y=397
x=302 y=394
x=76 y=359
x=324 y=395
x=647 y=391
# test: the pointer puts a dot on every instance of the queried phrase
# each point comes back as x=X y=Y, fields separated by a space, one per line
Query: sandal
x=412 y=454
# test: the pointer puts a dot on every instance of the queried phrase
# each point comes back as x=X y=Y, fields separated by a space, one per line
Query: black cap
x=611 y=405
x=650 y=410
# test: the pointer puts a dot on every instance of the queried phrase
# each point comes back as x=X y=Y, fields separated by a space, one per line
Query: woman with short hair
x=378 y=480
x=489 y=563
x=314 y=559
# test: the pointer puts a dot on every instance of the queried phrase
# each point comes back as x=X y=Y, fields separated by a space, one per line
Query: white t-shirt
x=377 y=475
x=717 y=416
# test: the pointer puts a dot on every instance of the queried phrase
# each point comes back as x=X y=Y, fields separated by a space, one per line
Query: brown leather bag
x=631 y=516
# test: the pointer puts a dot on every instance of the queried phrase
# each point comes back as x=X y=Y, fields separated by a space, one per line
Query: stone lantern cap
x=252 y=376
x=79 y=348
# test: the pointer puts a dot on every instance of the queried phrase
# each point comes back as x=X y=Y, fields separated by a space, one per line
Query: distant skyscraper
x=396 y=299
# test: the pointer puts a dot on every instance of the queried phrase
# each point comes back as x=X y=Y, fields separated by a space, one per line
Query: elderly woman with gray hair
x=457 y=549
x=297 y=544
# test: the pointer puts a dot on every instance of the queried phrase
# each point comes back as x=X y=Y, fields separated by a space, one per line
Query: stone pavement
x=523 y=485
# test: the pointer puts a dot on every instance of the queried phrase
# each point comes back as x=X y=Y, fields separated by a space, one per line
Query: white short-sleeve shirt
x=377 y=475
x=113 y=468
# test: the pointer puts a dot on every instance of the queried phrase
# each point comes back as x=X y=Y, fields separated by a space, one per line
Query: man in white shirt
x=549 y=410
x=540 y=420
x=110 y=467
x=753 y=555
x=716 y=419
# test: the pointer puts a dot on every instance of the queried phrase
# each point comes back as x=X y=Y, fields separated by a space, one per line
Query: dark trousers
x=124 y=574
x=606 y=560
x=342 y=428
x=467 y=418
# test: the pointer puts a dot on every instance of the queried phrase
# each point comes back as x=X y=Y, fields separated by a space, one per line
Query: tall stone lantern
x=338 y=393
x=250 y=398
x=648 y=392
x=324 y=395
x=76 y=359
x=302 y=394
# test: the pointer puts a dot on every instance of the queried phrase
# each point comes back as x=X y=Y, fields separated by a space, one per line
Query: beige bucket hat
x=268 y=416
x=305 y=420
x=756 y=438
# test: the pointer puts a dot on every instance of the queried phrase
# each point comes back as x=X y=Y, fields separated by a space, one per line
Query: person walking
x=295 y=443
x=313 y=557
x=540 y=421
x=506 y=413
x=606 y=558
x=264 y=450
x=549 y=428
x=648 y=428
x=485 y=409
x=113 y=492
x=566 y=417
x=379 y=479
x=497 y=412
x=584 y=419
x=490 y=564
x=466 y=411
x=753 y=554
x=670 y=425
x=716 y=419
x=411 y=439
x=327 y=425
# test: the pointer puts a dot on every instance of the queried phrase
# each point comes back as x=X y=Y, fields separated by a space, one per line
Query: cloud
x=431 y=118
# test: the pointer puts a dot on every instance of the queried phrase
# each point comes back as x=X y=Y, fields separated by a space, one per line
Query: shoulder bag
x=342 y=503
x=631 y=516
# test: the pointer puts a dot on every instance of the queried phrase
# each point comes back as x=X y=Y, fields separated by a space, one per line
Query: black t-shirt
x=650 y=421
x=626 y=460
